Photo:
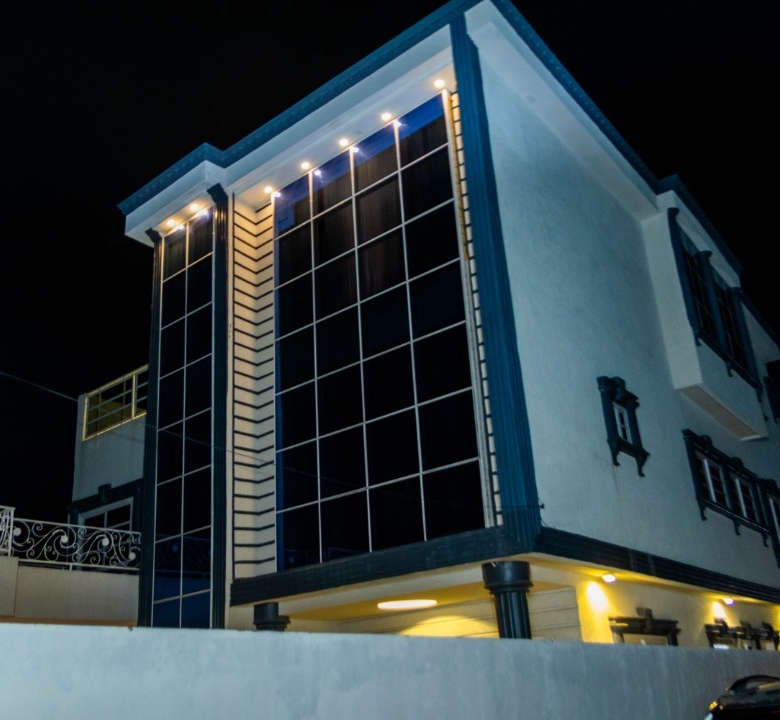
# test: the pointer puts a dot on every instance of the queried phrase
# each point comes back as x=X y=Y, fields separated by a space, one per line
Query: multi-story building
x=437 y=328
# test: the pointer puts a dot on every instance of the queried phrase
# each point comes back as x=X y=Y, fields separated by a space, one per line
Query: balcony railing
x=38 y=542
x=116 y=403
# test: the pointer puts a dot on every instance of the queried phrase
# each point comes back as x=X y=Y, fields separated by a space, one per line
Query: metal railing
x=68 y=546
x=6 y=529
x=116 y=403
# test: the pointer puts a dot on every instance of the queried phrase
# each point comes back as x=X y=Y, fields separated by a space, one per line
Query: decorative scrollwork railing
x=35 y=541
x=6 y=525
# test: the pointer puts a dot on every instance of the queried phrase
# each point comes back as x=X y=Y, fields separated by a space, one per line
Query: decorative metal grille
x=6 y=524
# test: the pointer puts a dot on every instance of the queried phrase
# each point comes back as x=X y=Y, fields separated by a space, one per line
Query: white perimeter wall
x=96 y=673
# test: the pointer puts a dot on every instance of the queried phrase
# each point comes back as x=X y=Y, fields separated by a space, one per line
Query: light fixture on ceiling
x=343 y=142
x=439 y=83
x=728 y=601
x=386 y=116
x=609 y=578
x=305 y=165
x=413 y=604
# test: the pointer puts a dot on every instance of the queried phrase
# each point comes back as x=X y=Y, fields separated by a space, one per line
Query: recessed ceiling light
x=386 y=116
x=194 y=207
x=439 y=83
x=171 y=223
x=305 y=165
x=609 y=578
x=406 y=604
x=728 y=601
x=343 y=142
x=268 y=189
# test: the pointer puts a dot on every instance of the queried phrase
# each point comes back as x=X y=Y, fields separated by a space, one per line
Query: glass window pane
x=340 y=400
x=196 y=611
x=384 y=321
x=437 y=300
x=172 y=347
x=291 y=206
x=344 y=527
x=396 y=514
x=295 y=359
x=427 y=183
x=168 y=511
x=167 y=568
x=381 y=264
x=295 y=420
x=173 y=252
x=337 y=341
x=431 y=240
x=293 y=305
x=171 y=398
x=201 y=236
x=197 y=442
x=342 y=466
x=296 y=475
x=388 y=382
x=441 y=363
x=332 y=183
x=422 y=130
x=198 y=386
x=196 y=562
x=197 y=500
x=378 y=210
x=299 y=537
x=293 y=254
x=173 y=298
x=447 y=431
x=333 y=233
x=199 y=333
x=392 y=447
x=198 y=284
x=453 y=500
x=375 y=158
x=335 y=286
x=169 y=452
x=166 y=614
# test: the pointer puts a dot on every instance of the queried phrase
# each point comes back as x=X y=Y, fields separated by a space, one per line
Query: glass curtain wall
x=375 y=414
x=182 y=559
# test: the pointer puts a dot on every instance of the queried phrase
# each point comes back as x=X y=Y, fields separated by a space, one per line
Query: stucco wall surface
x=93 y=673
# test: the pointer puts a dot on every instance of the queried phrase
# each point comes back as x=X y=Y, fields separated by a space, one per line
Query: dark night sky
x=99 y=98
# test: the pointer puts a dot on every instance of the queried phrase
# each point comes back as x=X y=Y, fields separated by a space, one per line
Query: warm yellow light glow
x=596 y=598
x=268 y=189
x=194 y=207
x=343 y=142
x=203 y=213
x=406 y=604
x=171 y=223
x=439 y=83
x=305 y=165
x=728 y=601
x=609 y=578
x=717 y=610
x=386 y=116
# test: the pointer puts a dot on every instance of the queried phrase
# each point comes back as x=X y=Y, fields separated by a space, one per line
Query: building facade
x=436 y=316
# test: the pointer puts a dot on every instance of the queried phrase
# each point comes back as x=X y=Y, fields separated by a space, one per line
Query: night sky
x=99 y=98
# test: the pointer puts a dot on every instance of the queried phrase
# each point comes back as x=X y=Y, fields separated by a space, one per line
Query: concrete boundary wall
x=93 y=673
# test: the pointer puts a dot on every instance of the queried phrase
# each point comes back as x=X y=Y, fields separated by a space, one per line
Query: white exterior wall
x=585 y=306
x=114 y=457
x=94 y=673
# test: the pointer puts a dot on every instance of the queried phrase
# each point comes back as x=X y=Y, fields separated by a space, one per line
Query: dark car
x=755 y=697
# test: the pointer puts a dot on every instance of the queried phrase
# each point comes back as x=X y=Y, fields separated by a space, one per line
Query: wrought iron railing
x=69 y=546
x=6 y=529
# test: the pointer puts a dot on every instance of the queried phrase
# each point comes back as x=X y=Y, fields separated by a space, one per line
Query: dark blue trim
x=519 y=500
x=106 y=495
x=578 y=547
x=146 y=574
x=219 y=408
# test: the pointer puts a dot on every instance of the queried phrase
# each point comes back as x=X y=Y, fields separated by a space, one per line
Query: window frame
x=616 y=401
x=735 y=477
x=716 y=298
